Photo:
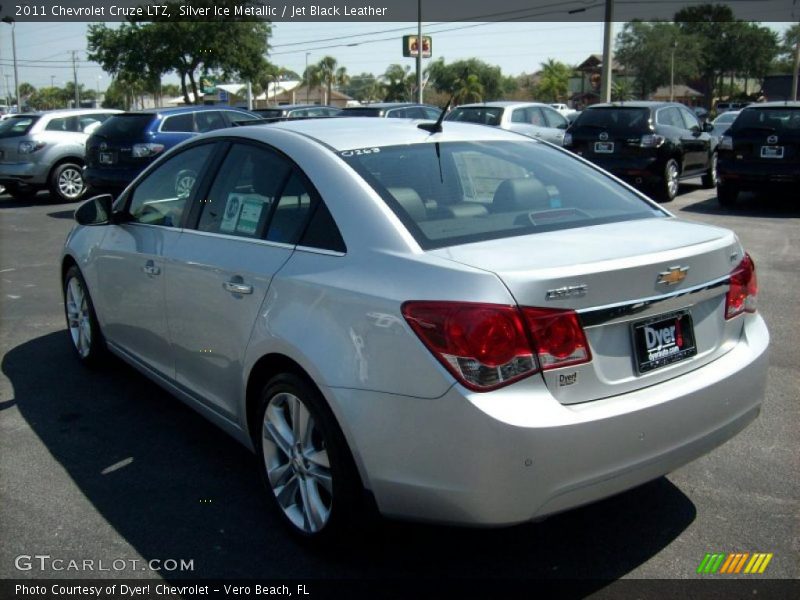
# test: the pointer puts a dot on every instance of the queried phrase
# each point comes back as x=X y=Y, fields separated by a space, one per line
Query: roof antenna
x=437 y=127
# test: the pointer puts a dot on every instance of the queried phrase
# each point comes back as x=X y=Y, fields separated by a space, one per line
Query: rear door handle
x=150 y=268
x=235 y=287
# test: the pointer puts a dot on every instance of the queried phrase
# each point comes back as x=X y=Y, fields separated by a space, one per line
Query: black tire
x=709 y=179
x=85 y=336
x=66 y=182
x=21 y=192
x=310 y=510
x=726 y=194
x=668 y=187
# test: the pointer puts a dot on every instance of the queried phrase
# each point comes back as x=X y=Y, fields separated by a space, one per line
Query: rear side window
x=616 y=118
x=322 y=231
x=291 y=213
x=125 y=126
x=244 y=192
x=779 y=120
x=179 y=123
x=461 y=192
x=16 y=126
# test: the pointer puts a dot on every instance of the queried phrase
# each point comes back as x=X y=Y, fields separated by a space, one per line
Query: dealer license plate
x=604 y=147
x=663 y=340
x=771 y=151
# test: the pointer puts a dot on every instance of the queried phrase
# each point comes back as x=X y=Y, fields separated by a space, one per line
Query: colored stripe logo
x=734 y=563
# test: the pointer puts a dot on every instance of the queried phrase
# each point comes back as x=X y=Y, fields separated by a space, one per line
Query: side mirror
x=563 y=125
x=95 y=211
x=708 y=126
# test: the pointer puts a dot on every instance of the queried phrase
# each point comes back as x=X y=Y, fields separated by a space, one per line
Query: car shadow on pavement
x=41 y=199
x=750 y=205
x=174 y=486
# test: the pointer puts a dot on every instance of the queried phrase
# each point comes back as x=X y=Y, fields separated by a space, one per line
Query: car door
x=133 y=260
x=556 y=125
x=249 y=221
x=697 y=141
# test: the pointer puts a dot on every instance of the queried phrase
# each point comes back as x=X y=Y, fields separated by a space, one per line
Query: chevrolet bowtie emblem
x=674 y=275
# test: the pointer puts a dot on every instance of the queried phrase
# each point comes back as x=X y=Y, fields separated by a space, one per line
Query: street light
x=13 y=24
x=672 y=71
x=306 y=75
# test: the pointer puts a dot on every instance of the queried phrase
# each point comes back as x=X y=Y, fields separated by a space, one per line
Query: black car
x=288 y=112
x=761 y=150
x=652 y=145
x=397 y=110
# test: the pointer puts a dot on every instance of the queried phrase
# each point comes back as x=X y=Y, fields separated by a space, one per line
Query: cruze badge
x=673 y=276
x=773 y=139
x=603 y=136
x=568 y=291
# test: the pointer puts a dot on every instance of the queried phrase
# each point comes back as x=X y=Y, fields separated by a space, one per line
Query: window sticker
x=243 y=213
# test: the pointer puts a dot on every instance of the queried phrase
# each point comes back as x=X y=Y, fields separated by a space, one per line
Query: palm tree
x=342 y=78
x=397 y=82
x=469 y=89
x=553 y=81
x=327 y=74
x=312 y=77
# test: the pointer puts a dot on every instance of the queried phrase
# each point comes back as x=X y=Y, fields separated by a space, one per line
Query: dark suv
x=652 y=145
x=126 y=143
x=761 y=150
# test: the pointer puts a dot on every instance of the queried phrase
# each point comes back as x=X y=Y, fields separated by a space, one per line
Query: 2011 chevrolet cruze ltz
x=463 y=324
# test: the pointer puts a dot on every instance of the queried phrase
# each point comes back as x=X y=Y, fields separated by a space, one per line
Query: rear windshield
x=783 y=119
x=125 y=126
x=460 y=192
x=361 y=112
x=17 y=125
x=268 y=112
x=615 y=118
x=476 y=114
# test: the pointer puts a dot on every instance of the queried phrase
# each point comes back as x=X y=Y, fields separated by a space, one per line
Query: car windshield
x=460 y=192
x=485 y=115
x=124 y=125
x=728 y=117
x=615 y=118
x=780 y=120
x=17 y=125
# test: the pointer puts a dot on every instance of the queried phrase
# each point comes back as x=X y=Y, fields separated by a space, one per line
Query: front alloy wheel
x=305 y=462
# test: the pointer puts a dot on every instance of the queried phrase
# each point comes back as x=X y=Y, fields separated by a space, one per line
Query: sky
x=43 y=49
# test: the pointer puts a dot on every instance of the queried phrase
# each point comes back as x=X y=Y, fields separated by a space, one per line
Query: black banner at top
x=382 y=10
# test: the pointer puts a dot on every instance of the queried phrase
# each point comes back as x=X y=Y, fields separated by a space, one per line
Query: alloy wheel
x=296 y=459
x=78 y=317
x=672 y=179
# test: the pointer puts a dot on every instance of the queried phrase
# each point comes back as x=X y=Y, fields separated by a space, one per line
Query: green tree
x=553 y=83
x=398 y=83
x=468 y=89
x=444 y=77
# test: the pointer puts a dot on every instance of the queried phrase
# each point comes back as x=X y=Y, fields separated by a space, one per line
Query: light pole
x=608 y=53
x=97 y=97
x=672 y=71
x=13 y=24
x=419 y=51
x=52 y=81
x=307 y=78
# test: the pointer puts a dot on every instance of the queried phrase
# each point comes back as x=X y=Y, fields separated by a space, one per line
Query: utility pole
x=13 y=24
x=608 y=53
x=75 y=80
x=672 y=72
x=796 y=69
x=419 y=51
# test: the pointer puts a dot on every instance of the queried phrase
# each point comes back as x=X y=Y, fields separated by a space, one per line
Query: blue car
x=125 y=144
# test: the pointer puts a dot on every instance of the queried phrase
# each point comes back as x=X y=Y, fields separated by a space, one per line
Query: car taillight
x=557 y=337
x=725 y=143
x=146 y=150
x=567 y=140
x=651 y=141
x=486 y=346
x=743 y=290
x=29 y=147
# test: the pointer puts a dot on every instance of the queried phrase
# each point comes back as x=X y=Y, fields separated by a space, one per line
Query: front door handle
x=150 y=268
x=237 y=287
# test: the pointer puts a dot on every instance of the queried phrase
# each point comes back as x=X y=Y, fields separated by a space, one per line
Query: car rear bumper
x=745 y=174
x=110 y=178
x=516 y=454
x=31 y=173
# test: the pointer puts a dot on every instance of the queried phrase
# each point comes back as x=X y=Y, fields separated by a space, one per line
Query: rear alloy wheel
x=84 y=331
x=66 y=183
x=669 y=183
x=305 y=463
x=709 y=179
x=726 y=194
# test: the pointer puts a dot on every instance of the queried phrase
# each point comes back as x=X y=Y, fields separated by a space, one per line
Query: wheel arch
x=78 y=160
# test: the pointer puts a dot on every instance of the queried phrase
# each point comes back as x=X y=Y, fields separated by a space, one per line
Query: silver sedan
x=462 y=325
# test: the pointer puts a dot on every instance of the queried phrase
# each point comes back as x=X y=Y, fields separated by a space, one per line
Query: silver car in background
x=533 y=119
x=45 y=150
x=469 y=326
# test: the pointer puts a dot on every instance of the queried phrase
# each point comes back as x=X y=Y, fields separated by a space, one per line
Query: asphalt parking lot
x=106 y=466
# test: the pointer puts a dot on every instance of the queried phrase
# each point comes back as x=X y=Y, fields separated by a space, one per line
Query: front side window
x=162 y=197
x=670 y=117
x=460 y=192
x=554 y=119
x=209 y=120
x=689 y=119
